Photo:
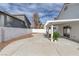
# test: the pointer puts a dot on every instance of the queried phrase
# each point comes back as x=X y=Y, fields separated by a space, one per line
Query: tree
x=36 y=20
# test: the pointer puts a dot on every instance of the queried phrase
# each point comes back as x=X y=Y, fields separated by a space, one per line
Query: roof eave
x=60 y=21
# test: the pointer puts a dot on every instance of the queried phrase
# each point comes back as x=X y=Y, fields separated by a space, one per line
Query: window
x=66 y=31
x=13 y=22
x=49 y=27
x=54 y=29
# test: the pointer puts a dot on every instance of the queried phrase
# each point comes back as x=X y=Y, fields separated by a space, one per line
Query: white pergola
x=57 y=22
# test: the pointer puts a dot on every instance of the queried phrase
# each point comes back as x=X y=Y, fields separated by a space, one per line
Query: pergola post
x=47 y=32
x=51 y=33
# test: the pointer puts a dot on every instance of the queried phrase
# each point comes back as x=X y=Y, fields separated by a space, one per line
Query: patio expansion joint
x=55 y=46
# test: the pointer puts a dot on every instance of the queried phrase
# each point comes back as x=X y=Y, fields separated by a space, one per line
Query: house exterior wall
x=60 y=30
x=70 y=11
x=74 y=32
x=1 y=20
x=8 y=21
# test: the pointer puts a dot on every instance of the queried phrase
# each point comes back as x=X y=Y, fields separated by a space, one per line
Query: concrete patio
x=41 y=46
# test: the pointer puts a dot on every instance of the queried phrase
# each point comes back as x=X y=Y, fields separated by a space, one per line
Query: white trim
x=60 y=21
x=51 y=33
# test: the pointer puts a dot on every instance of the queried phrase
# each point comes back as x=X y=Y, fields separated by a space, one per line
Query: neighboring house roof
x=22 y=17
x=10 y=15
x=15 y=17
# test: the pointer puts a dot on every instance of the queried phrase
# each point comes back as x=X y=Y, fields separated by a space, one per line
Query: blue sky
x=46 y=11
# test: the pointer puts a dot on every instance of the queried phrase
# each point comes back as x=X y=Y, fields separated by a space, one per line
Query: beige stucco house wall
x=70 y=11
x=74 y=32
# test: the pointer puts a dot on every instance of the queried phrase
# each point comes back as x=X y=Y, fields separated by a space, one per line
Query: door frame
x=66 y=29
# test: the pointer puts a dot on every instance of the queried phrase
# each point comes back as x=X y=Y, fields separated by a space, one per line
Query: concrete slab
x=41 y=46
x=66 y=47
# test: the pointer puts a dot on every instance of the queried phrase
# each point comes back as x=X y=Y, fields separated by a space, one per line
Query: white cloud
x=47 y=10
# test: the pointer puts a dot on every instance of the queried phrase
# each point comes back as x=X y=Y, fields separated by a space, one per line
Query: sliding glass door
x=66 y=31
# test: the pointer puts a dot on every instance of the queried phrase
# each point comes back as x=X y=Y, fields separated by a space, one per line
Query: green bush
x=56 y=35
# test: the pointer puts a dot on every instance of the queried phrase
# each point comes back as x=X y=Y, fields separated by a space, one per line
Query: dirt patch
x=5 y=43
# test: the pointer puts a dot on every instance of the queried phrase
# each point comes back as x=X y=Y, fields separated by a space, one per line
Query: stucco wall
x=60 y=30
x=10 y=33
x=74 y=32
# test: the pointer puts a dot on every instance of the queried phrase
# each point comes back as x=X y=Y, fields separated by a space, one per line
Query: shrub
x=56 y=35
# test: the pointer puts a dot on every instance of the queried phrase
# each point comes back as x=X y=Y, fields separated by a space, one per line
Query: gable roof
x=13 y=16
x=61 y=10
x=9 y=15
x=26 y=19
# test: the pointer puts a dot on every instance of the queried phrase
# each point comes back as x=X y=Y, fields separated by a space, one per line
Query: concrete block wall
x=7 y=33
x=0 y=35
x=10 y=33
